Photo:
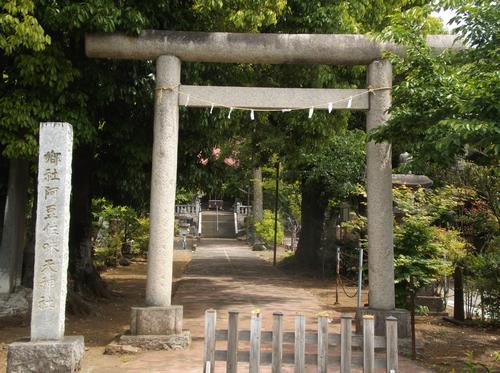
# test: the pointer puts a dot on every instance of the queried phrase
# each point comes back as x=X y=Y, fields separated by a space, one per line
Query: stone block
x=403 y=317
x=179 y=341
x=62 y=356
x=120 y=349
x=17 y=304
x=156 y=320
x=433 y=303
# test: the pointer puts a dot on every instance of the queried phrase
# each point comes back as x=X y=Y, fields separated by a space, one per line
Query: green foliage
x=418 y=258
x=423 y=250
x=185 y=196
x=483 y=278
x=476 y=217
x=240 y=15
x=19 y=28
x=447 y=106
x=422 y=310
x=357 y=228
x=340 y=167
x=290 y=202
x=476 y=367
x=265 y=228
x=141 y=236
x=438 y=206
x=484 y=181
x=48 y=83
x=118 y=231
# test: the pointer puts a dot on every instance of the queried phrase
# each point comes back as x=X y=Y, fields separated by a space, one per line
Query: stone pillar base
x=156 y=320
x=403 y=316
x=64 y=356
x=157 y=328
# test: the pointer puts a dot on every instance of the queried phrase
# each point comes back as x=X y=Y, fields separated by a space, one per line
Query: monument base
x=156 y=320
x=64 y=356
x=403 y=316
x=179 y=341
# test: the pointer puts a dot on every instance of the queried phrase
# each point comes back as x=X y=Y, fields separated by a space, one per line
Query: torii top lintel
x=338 y=49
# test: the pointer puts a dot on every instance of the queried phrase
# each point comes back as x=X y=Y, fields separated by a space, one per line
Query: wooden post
x=209 y=355
x=345 y=343
x=391 y=332
x=368 y=344
x=277 y=354
x=300 y=343
x=232 y=343
x=255 y=330
x=322 y=344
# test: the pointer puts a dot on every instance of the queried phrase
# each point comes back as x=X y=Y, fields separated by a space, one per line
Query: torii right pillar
x=381 y=296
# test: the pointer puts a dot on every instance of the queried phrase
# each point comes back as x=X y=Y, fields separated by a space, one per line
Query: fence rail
x=341 y=357
x=243 y=210
x=189 y=209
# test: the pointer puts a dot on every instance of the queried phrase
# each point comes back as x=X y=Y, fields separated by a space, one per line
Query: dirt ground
x=445 y=345
x=110 y=318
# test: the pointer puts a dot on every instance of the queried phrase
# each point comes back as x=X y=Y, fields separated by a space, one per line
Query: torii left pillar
x=158 y=325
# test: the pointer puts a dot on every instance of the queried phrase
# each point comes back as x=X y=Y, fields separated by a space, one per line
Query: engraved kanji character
x=48 y=281
x=51 y=212
x=51 y=191
x=49 y=266
x=50 y=248
x=52 y=157
x=50 y=174
x=46 y=302
x=51 y=229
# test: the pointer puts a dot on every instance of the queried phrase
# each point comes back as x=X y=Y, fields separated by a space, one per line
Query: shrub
x=265 y=228
x=141 y=236
x=118 y=231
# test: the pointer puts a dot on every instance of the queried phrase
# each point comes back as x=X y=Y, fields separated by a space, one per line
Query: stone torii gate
x=169 y=48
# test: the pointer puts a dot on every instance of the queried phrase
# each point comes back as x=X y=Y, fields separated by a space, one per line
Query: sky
x=446 y=15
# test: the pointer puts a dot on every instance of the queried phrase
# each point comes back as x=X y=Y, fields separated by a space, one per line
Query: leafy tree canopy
x=448 y=105
x=19 y=28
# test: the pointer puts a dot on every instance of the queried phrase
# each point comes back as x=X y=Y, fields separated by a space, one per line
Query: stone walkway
x=226 y=275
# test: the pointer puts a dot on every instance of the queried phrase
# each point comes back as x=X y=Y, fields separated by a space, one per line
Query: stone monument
x=49 y=350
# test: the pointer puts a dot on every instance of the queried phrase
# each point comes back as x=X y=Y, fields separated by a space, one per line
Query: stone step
x=226 y=229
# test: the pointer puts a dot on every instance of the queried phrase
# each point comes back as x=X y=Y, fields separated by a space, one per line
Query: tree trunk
x=258 y=199
x=86 y=279
x=458 y=294
x=29 y=250
x=4 y=180
x=313 y=207
x=14 y=230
